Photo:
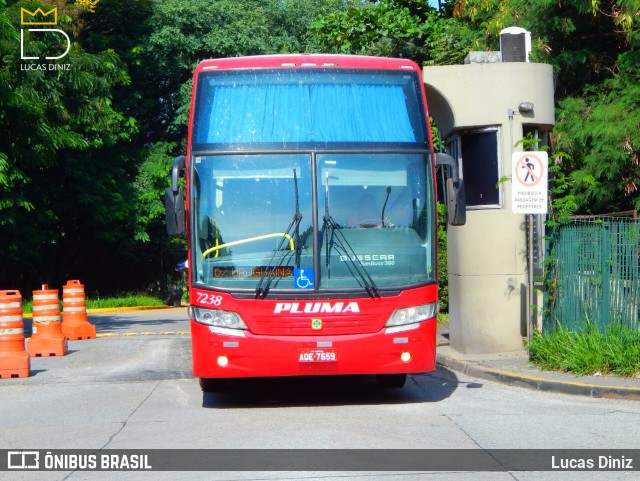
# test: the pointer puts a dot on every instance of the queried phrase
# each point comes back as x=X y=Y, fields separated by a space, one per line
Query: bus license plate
x=317 y=355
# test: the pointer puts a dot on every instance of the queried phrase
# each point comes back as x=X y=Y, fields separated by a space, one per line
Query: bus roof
x=307 y=61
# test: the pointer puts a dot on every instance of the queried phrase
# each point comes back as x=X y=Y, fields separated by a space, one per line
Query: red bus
x=310 y=218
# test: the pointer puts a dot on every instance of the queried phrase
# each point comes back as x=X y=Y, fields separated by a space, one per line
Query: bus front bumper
x=219 y=355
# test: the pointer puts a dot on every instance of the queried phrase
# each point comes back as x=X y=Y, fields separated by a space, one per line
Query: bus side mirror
x=456 y=199
x=174 y=200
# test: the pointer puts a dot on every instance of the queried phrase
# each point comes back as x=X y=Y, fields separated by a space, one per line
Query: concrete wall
x=479 y=94
x=487 y=256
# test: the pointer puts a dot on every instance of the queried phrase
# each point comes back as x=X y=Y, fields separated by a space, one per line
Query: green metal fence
x=594 y=274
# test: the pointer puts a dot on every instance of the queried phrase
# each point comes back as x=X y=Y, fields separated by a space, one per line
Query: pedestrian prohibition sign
x=529 y=175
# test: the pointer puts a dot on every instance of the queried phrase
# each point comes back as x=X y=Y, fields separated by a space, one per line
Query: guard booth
x=482 y=109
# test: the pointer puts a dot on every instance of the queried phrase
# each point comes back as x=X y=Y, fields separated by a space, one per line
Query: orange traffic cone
x=47 y=338
x=75 y=325
x=14 y=360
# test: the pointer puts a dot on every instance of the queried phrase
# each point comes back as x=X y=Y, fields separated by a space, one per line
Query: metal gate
x=594 y=274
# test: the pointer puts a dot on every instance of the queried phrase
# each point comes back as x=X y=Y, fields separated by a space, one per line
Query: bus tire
x=391 y=380
x=208 y=384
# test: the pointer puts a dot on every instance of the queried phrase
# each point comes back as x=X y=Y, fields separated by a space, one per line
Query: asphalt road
x=132 y=389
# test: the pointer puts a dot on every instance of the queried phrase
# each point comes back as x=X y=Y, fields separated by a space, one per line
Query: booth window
x=540 y=135
x=478 y=154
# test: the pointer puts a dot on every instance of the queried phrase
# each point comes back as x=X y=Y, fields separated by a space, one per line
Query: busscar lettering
x=368 y=257
x=370 y=260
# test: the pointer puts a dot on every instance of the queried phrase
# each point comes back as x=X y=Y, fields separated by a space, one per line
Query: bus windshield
x=253 y=217
x=310 y=179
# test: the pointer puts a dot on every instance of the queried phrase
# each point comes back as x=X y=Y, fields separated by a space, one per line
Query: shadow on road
x=332 y=391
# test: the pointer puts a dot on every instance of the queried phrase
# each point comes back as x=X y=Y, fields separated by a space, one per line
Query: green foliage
x=63 y=177
x=450 y=40
x=290 y=20
x=601 y=129
x=152 y=178
x=581 y=38
x=44 y=113
x=127 y=300
x=387 y=28
x=393 y=28
x=588 y=351
x=443 y=277
x=182 y=32
x=123 y=300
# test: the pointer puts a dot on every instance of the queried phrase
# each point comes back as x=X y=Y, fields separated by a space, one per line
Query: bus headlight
x=412 y=315
x=217 y=318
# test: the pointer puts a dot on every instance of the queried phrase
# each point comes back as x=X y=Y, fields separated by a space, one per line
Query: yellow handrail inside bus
x=249 y=239
x=215 y=225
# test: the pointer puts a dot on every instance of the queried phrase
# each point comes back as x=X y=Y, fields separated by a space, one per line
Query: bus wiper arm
x=345 y=248
x=327 y=221
x=341 y=241
x=297 y=218
x=268 y=274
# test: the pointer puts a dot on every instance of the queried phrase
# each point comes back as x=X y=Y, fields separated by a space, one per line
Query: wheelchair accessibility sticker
x=303 y=278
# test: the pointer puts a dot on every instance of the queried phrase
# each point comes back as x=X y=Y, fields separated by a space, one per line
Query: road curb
x=535 y=382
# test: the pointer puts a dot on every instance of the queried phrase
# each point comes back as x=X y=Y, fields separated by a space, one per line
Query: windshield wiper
x=384 y=206
x=268 y=274
x=357 y=269
x=297 y=217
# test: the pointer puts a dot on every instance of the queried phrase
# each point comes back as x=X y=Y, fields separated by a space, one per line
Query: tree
x=600 y=130
x=61 y=203
x=393 y=28
x=581 y=38
x=594 y=47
